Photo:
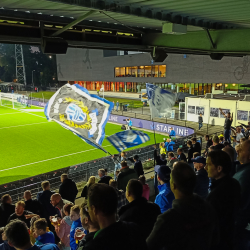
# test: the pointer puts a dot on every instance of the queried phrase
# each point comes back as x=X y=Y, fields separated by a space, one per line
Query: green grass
x=30 y=145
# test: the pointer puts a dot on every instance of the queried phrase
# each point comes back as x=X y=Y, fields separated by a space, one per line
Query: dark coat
x=34 y=206
x=68 y=190
x=197 y=147
x=158 y=159
x=138 y=168
x=142 y=212
x=44 y=198
x=190 y=154
x=84 y=193
x=22 y=217
x=5 y=211
x=86 y=239
x=120 y=235
x=182 y=157
x=202 y=183
x=105 y=179
x=225 y=199
x=124 y=176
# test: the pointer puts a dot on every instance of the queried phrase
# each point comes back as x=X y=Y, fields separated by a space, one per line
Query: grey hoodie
x=191 y=224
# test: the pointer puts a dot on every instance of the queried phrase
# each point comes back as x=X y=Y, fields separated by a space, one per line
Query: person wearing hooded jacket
x=169 y=145
x=165 y=197
x=68 y=189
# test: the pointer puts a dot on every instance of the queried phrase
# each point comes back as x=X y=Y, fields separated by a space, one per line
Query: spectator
x=63 y=226
x=32 y=235
x=90 y=182
x=122 y=201
x=138 y=166
x=165 y=197
x=242 y=237
x=103 y=178
x=6 y=209
x=68 y=189
x=171 y=160
x=238 y=135
x=125 y=175
x=117 y=106
x=160 y=159
x=181 y=156
x=224 y=195
x=216 y=143
x=44 y=198
x=221 y=140
x=172 y=133
x=21 y=213
x=169 y=145
x=31 y=205
x=146 y=189
x=196 y=145
x=211 y=148
x=196 y=154
x=18 y=237
x=208 y=144
x=227 y=125
x=41 y=234
x=202 y=180
x=102 y=206
x=242 y=140
x=58 y=202
x=106 y=171
x=200 y=121
x=190 y=153
x=139 y=210
x=162 y=148
x=231 y=152
x=88 y=225
x=191 y=223
x=75 y=217
x=4 y=245
x=117 y=160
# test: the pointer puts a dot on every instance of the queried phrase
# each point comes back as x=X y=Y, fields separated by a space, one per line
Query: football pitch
x=30 y=145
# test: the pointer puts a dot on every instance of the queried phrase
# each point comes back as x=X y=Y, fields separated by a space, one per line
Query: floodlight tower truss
x=20 y=68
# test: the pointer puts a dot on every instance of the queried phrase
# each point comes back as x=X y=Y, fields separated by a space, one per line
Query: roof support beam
x=210 y=39
x=78 y=20
x=227 y=41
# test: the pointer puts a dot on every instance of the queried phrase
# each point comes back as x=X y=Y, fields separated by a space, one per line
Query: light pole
x=32 y=77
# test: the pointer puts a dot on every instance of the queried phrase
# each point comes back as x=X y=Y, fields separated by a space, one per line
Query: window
x=141 y=71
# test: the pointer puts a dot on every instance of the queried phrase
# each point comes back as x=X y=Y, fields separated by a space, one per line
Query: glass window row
x=141 y=71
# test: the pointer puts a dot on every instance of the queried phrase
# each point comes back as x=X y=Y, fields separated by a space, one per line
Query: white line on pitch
x=52 y=159
x=24 y=125
x=11 y=113
x=26 y=112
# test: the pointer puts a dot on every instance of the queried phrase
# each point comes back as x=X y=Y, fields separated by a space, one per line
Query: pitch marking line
x=11 y=113
x=27 y=113
x=23 y=125
x=52 y=159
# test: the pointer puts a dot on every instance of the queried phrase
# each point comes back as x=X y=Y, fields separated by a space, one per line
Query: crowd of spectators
x=201 y=201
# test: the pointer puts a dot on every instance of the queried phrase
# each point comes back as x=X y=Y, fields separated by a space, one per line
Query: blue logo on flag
x=75 y=113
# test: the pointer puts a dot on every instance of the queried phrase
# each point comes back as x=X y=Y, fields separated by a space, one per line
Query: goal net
x=15 y=101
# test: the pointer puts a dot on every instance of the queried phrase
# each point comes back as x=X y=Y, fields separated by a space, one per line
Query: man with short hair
x=165 y=196
x=125 y=175
x=138 y=166
x=196 y=145
x=18 y=237
x=208 y=144
x=172 y=133
x=171 y=160
x=68 y=189
x=102 y=207
x=181 y=156
x=103 y=178
x=216 y=143
x=57 y=202
x=227 y=125
x=32 y=205
x=140 y=211
x=21 y=213
x=191 y=223
x=44 y=198
x=225 y=195
x=242 y=233
x=202 y=180
x=6 y=209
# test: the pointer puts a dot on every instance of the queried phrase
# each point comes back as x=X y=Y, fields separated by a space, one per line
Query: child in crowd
x=75 y=217
x=146 y=189
x=41 y=234
x=32 y=221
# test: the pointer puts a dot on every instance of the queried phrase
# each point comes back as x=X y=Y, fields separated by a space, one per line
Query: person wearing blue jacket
x=172 y=133
x=75 y=217
x=165 y=197
x=169 y=145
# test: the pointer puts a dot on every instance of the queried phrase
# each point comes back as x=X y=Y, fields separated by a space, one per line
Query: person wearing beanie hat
x=165 y=197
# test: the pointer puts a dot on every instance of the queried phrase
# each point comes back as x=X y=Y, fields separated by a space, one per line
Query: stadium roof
x=212 y=26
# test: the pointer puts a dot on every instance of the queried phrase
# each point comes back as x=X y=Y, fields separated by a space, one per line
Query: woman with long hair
x=90 y=182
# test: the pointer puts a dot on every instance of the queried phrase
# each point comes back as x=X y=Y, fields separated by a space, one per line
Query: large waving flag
x=84 y=114
x=160 y=100
x=127 y=139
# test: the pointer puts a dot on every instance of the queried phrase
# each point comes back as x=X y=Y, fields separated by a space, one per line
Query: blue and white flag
x=127 y=139
x=160 y=101
x=84 y=114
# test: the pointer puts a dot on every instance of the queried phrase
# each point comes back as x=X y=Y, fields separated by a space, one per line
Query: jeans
x=227 y=133
x=200 y=125
x=117 y=108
